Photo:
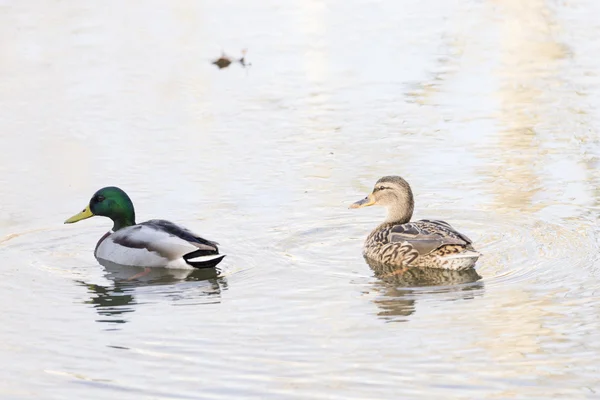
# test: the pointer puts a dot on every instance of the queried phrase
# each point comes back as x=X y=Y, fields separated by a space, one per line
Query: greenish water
x=488 y=108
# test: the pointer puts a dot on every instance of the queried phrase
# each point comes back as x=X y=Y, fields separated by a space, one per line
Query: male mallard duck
x=154 y=243
x=401 y=243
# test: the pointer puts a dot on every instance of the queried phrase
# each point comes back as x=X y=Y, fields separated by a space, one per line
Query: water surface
x=488 y=108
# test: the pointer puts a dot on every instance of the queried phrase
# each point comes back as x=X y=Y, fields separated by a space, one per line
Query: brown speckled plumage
x=422 y=244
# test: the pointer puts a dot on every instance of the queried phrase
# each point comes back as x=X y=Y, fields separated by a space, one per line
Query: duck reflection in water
x=400 y=288
x=116 y=300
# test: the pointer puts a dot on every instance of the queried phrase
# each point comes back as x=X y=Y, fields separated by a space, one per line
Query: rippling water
x=488 y=108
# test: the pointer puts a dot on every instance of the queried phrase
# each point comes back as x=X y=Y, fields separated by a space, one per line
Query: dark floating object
x=225 y=61
x=222 y=62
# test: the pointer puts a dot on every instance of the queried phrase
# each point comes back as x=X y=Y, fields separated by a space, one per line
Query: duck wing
x=426 y=236
x=180 y=232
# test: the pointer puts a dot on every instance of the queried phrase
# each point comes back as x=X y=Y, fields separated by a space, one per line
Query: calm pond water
x=489 y=108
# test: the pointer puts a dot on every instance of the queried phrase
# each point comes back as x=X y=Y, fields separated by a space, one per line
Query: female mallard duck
x=401 y=243
x=154 y=243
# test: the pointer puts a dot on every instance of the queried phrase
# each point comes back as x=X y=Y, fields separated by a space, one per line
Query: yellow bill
x=367 y=201
x=85 y=214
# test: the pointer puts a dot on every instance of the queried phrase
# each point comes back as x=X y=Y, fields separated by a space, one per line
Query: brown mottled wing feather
x=449 y=229
x=427 y=235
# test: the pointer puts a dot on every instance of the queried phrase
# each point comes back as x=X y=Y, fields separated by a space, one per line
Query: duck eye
x=99 y=198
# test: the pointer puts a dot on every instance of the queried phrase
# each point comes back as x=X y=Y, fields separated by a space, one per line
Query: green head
x=109 y=202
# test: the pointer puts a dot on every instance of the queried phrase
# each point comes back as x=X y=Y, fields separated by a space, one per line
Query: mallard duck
x=400 y=243
x=154 y=243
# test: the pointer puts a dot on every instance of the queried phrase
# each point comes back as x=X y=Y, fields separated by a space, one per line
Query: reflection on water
x=110 y=301
x=400 y=289
x=530 y=58
x=119 y=297
x=397 y=301
x=124 y=274
x=422 y=276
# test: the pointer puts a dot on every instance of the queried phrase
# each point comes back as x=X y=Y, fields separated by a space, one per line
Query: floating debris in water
x=242 y=60
x=222 y=62
x=225 y=61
